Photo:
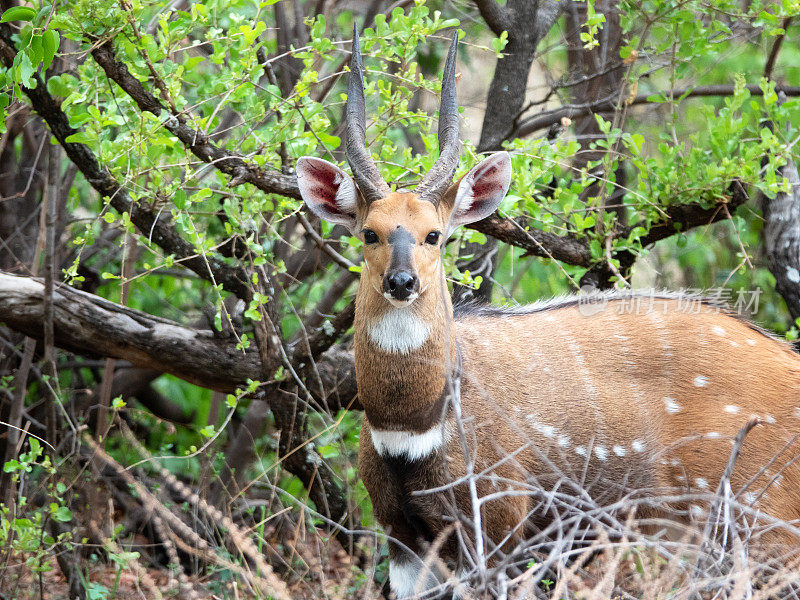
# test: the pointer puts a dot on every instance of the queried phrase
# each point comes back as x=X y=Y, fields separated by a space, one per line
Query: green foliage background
x=211 y=58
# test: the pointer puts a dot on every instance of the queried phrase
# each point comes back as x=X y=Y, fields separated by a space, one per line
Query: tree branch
x=527 y=22
x=195 y=140
x=536 y=242
x=776 y=48
x=551 y=117
x=158 y=228
x=683 y=217
x=87 y=324
x=496 y=16
x=680 y=218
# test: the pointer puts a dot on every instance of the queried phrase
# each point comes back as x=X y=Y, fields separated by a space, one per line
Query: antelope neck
x=404 y=359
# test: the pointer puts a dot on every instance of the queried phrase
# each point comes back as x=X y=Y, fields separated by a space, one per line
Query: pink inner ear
x=482 y=189
x=324 y=186
x=486 y=187
x=328 y=196
x=487 y=184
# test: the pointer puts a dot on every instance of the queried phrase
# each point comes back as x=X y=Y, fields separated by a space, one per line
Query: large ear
x=481 y=190
x=327 y=190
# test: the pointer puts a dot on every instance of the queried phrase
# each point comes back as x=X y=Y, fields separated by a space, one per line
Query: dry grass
x=643 y=545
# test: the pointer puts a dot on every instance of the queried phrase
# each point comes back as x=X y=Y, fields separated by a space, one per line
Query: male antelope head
x=403 y=232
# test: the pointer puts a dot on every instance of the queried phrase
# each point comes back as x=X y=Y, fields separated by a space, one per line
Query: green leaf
x=179 y=199
x=499 y=43
x=18 y=13
x=81 y=137
x=36 y=52
x=63 y=514
x=26 y=69
x=57 y=86
x=329 y=140
x=50 y=43
x=637 y=145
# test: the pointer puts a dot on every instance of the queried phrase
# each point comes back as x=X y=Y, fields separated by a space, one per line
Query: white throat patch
x=408 y=444
x=399 y=330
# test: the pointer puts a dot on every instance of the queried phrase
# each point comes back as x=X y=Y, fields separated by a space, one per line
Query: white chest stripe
x=399 y=330
x=413 y=446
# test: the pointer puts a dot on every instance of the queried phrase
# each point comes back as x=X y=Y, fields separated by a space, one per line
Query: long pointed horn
x=368 y=178
x=439 y=178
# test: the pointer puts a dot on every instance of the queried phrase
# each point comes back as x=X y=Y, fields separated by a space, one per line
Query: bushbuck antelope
x=631 y=400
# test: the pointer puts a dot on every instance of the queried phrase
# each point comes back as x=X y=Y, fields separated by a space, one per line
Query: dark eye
x=433 y=238
x=370 y=237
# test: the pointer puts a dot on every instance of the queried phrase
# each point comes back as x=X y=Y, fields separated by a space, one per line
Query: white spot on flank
x=700 y=381
x=580 y=451
x=563 y=440
x=793 y=274
x=701 y=482
x=399 y=330
x=601 y=452
x=672 y=405
x=718 y=330
x=619 y=450
x=751 y=342
x=769 y=419
x=638 y=446
x=732 y=408
x=404 y=578
x=545 y=430
x=407 y=443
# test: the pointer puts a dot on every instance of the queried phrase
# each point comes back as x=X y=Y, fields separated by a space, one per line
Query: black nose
x=400 y=284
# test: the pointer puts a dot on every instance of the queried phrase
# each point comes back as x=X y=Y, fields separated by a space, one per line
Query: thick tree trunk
x=782 y=239
x=527 y=22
